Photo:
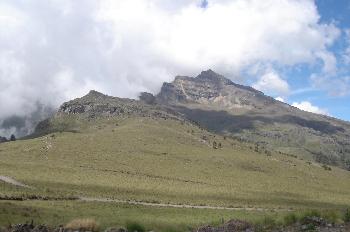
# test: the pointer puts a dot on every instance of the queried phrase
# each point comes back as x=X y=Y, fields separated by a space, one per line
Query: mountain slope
x=164 y=160
x=107 y=147
x=222 y=106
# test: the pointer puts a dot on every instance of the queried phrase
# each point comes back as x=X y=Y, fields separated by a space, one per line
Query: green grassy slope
x=165 y=161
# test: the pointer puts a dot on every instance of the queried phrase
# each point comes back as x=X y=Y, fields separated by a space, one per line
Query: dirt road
x=89 y=199
x=12 y=181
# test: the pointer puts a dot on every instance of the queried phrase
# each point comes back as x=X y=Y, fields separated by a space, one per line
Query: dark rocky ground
x=308 y=224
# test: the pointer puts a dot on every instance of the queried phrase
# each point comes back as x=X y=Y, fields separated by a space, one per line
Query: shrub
x=311 y=213
x=135 y=227
x=269 y=222
x=326 y=167
x=310 y=227
x=82 y=224
x=331 y=216
x=268 y=153
x=290 y=219
x=13 y=138
x=347 y=216
x=305 y=218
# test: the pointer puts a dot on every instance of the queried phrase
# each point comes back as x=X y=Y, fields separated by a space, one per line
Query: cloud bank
x=272 y=83
x=55 y=50
x=307 y=106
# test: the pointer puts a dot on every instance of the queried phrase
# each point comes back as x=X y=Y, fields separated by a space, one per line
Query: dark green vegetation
x=164 y=150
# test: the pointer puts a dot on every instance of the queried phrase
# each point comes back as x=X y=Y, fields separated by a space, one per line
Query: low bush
x=311 y=213
x=326 y=167
x=332 y=217
x=269 y=222
x=309 y=227
x=135 y=227
x=347 y=216
x=290 y=219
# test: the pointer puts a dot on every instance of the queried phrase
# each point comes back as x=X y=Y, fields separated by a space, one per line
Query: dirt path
x=89 y=199
x=12 y=181
x=9 y=180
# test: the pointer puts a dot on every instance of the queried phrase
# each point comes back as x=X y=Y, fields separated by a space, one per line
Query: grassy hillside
x=165 y=161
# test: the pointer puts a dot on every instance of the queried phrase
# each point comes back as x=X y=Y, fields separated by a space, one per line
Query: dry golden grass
x=166 y=161
x=86 y=224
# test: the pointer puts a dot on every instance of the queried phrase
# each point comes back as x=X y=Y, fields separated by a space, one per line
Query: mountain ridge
x=224 y=107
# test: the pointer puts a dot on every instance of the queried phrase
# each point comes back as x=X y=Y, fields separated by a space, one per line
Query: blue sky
x=52 y=51
x=337 y=12
x=332 y=95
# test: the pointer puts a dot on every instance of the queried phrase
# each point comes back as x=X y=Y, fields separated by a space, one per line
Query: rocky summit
x=98 y=104
x=224 y=107
x=210 y=88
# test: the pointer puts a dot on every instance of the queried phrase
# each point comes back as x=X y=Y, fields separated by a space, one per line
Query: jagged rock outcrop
x=210 y=88
x=98 y=104
x=147 y=98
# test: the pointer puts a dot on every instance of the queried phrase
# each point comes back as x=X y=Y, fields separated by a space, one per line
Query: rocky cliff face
x=212 y=89
x=97 y=104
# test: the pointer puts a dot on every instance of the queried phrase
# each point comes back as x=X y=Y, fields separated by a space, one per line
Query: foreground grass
x=116 y=215
x=166 y=161
x=100 y=216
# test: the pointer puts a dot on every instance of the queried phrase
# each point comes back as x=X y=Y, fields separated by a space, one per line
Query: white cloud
x=272 y=84
x=336 y=82
x=53 y=50
x=281 y=99
x=307 y=106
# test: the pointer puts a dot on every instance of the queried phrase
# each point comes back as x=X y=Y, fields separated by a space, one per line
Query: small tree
x=13 y=137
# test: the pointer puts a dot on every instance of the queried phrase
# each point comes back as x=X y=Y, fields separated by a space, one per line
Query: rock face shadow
x=221 y=121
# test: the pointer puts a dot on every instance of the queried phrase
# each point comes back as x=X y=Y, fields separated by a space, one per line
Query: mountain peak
x=209 y=88
x=94 y=93
x=210 y=75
